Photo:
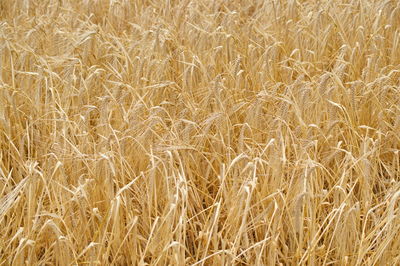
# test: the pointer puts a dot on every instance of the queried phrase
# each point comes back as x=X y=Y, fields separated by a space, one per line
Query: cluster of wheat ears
x=199 y=132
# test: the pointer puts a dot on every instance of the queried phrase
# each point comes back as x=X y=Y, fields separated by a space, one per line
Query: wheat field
x=199 y=132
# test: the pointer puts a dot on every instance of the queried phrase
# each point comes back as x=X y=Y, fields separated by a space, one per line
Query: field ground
x=207 y=132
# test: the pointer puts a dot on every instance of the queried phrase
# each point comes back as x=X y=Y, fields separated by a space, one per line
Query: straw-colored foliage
x=199 y=132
